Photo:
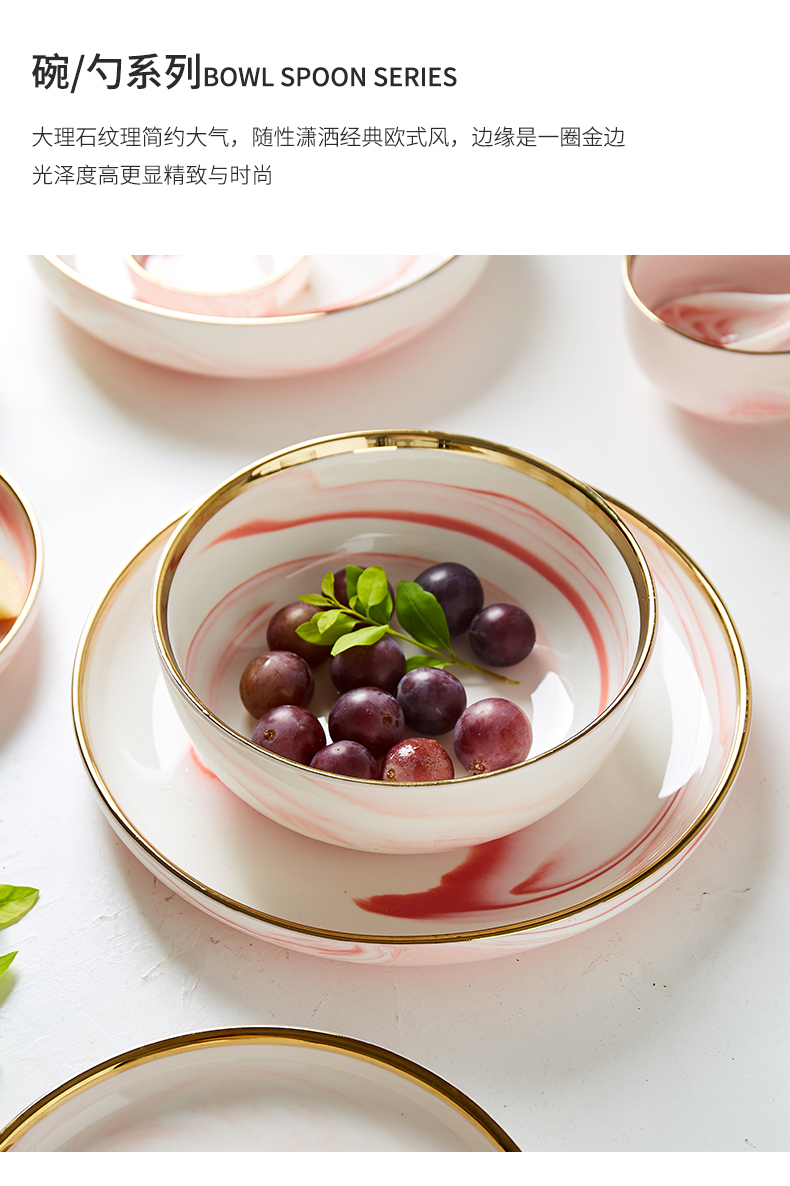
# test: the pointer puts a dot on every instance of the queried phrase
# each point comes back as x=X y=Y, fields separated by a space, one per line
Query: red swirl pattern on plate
x=616 y=840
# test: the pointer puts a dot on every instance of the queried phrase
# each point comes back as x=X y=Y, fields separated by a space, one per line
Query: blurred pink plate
x=21 y=550
x=353 y=307
x=257 y=1090
x=616 y=840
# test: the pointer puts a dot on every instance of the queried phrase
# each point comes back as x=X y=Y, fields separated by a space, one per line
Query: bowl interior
x=657 y=279
x=534 y=539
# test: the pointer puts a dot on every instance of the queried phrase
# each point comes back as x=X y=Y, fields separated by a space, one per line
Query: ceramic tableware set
x=637 y=691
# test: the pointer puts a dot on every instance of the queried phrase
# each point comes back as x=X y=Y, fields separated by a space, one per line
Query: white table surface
x=664 y=1029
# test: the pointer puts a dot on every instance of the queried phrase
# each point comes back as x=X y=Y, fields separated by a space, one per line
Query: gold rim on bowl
x=643 y=308
x=133 y=264
x=309 y=451
x=261 y=1036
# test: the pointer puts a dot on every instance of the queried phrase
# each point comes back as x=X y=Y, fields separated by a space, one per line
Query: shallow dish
x=719 y=382
x=21 y=549
x=187 y=283
x=614 y=842
x=256 y=1090
x=353 y=308
x=407 y=500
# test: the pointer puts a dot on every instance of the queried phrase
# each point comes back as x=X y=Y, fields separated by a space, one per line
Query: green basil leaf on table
x=15 y=901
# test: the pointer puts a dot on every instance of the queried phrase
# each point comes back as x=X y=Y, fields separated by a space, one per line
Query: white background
x=699 y=87
x=667 y=1028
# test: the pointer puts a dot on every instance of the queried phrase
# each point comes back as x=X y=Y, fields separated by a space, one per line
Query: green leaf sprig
x=15 y=901
x=369 y=602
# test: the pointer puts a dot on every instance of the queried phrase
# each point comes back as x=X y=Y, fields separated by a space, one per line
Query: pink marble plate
x=354 y=307
x=617 y=839
x=256 y=1090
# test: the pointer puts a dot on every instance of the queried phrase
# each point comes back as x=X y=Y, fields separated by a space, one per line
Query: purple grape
x=277 y=677
x=458 y=592
x=348 y=758
x=491 y=735
x=291 y=732
x=379 y=666
x=281 y=633
x=341 y=588
x=432 y=699
x=502 y=635
x=367 y=715
x=417 y=759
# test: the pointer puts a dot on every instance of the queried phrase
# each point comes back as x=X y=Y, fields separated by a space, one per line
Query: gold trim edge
x=58 y=263
x=717 y=798
x=261 y=1035
x=572 y=488
x=628 y=283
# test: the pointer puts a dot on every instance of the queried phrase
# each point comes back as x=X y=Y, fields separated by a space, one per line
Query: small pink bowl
x=267 y=298
x=20 y=547
x=702 y=377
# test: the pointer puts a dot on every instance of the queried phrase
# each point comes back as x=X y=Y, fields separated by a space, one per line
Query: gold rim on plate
x=579 y=493
x=38 y=560
x=260 y=1036
x=718 y=795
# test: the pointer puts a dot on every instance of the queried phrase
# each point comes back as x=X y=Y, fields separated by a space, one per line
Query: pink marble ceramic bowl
x=282 y=277
x=714 y=381
x=357 y=316
x=534 y=535
x=21 y=551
